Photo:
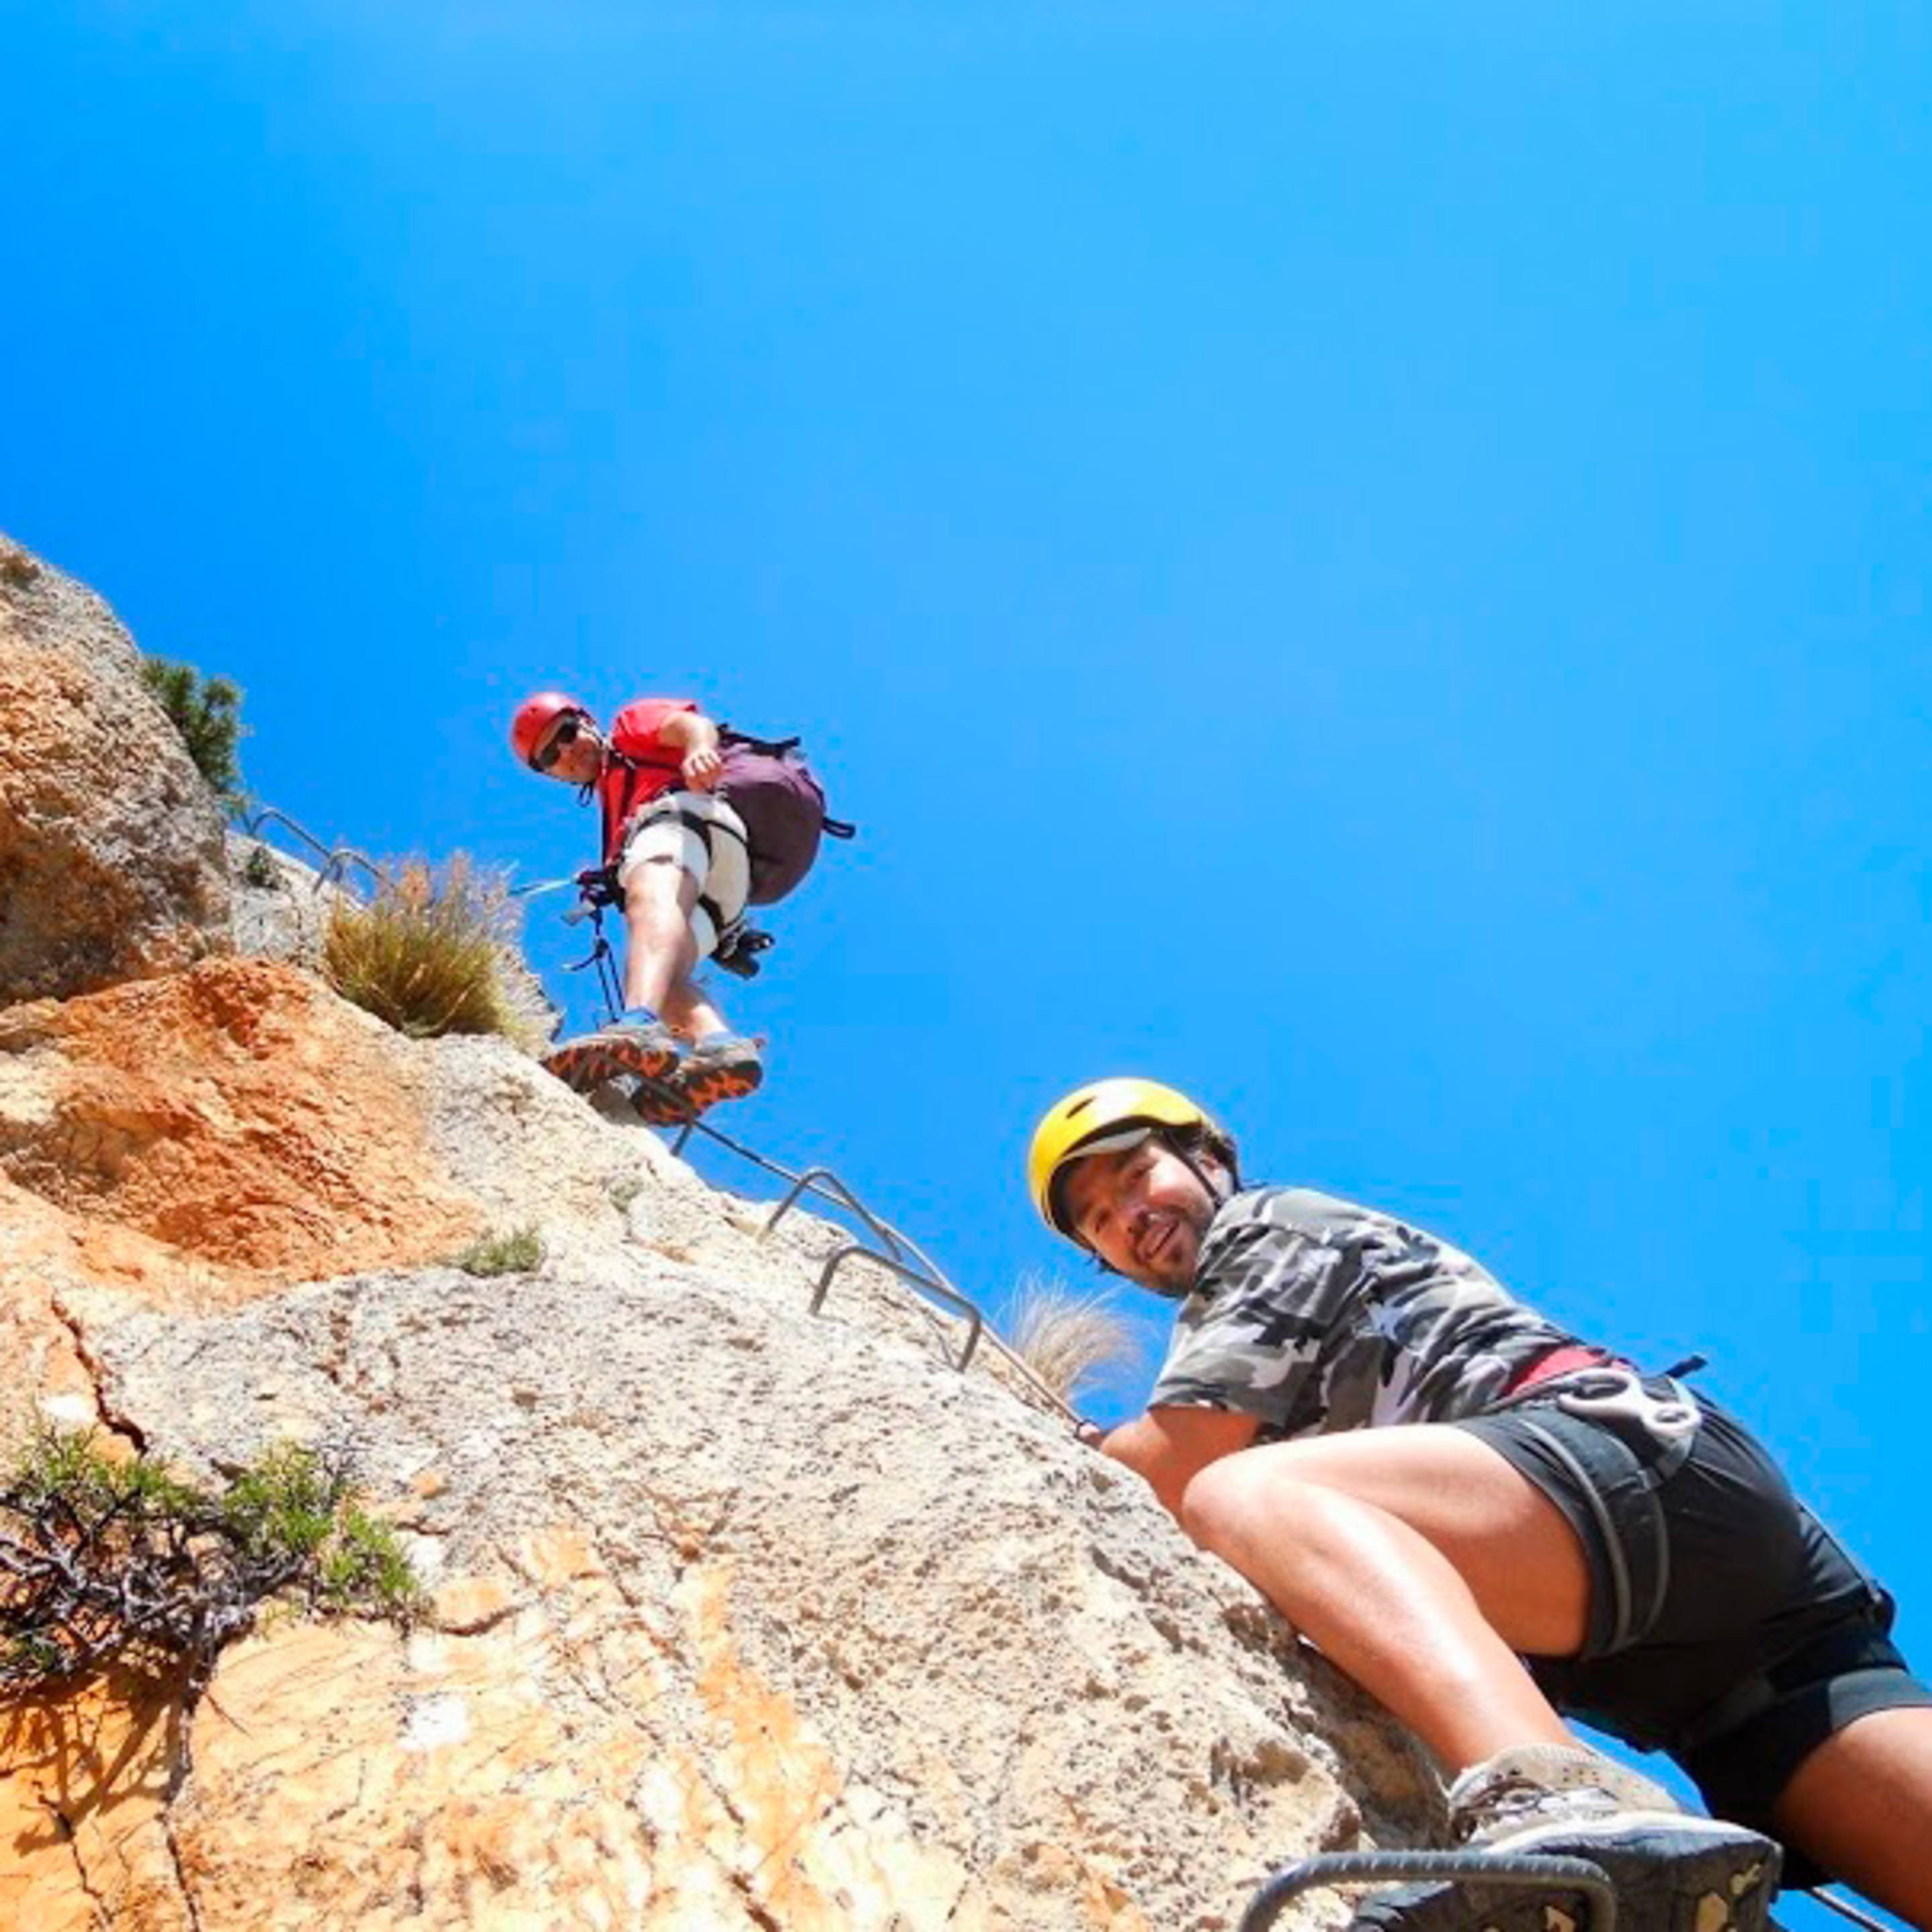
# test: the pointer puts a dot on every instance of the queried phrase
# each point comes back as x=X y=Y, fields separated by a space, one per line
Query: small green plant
x=428 y=953
x=520 y=1251
x=624 y=1190
x=259 y=870
x=16 y=566
x=1068 y=1337
x=207 y=713
x=105 y=1562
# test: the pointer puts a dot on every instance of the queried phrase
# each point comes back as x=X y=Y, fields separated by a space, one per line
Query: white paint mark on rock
x=436 y=1721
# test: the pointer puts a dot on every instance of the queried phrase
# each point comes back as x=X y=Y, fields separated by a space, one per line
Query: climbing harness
x=1608 y=1395
x=736 y=945
x=598 y=891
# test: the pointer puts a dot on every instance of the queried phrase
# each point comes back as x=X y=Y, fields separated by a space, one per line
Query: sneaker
x=638 y=1043
x=722 y=1066
x=1673 y=1871
x=659 y=1103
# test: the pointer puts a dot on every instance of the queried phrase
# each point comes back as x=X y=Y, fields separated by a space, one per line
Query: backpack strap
x=783 y=747
x=615 y=819
x=768 y=748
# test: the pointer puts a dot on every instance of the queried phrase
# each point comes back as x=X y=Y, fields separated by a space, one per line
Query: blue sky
x=1371 y=565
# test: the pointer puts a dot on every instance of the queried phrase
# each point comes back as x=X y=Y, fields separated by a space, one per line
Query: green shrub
x=207 y=713
x=518 y=1252
x=428 y=953
x=123 y=1562
x=259 y=870
x=1067 y=1336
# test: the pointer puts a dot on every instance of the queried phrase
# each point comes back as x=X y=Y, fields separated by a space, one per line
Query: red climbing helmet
x=535 y=716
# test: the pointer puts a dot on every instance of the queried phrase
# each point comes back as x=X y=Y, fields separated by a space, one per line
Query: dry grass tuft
x=427 y=953
x=1068 y=1336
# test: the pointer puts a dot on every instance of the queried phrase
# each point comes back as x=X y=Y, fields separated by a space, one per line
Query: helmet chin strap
x=1186 y=1157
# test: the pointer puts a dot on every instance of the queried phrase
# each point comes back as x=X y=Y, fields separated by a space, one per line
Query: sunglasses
x=548 y=755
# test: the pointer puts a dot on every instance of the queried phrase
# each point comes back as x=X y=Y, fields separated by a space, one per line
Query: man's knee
x=1223 y=1504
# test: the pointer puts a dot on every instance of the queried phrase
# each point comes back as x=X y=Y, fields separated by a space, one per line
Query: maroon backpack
x=773 y=789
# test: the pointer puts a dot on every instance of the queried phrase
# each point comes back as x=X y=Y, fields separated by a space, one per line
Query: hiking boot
x=638 y=1043
x=722 y=1066
x=659 y=1103
x=1672 y=1871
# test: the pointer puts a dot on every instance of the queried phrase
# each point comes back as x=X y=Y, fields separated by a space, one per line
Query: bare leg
x=659 y=952
x=688 y=1010
x=1861 y=1805
x=1420 y=1562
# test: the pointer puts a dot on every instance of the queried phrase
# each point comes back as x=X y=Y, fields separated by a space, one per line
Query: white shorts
x=701 y=835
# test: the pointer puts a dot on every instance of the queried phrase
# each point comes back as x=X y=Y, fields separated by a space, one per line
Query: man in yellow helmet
x=1483 y=1519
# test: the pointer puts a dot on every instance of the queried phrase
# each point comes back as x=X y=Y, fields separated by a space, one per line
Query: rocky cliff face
x=111 y=856
x=741 y=1617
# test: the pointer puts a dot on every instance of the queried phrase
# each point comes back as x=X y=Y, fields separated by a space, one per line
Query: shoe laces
x=1514 y=1802
x=1541 y=1784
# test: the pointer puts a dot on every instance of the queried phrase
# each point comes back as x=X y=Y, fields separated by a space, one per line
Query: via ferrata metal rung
x=825 y=1183
x=918 y=1272
x=336 y=859
x=1333 y=1868
x=976 y=1322
x=897 y=1252
x=901 y=1255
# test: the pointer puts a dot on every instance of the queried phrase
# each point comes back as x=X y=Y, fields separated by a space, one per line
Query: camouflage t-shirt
x=1314 y=1315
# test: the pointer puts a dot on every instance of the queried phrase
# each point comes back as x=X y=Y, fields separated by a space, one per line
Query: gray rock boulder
x=281 y=907
x=744 y=1619
x=112 y=863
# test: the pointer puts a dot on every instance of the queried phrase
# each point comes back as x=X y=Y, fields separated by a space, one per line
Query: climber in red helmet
x=681 y=860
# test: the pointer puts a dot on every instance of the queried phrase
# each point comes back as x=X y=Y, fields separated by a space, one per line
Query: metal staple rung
x=335 y=858
x=840 y=1194
x=926 y=1285
x=1396 y=1868
x=1845 y=1909
x=823 y=1184
x=827 y=1185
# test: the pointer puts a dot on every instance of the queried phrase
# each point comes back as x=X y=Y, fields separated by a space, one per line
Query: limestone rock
x=239 y=1112
x=111 y=859
x=742 y=1617
x=280 y=907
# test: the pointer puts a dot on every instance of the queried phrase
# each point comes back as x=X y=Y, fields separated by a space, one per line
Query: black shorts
x=1727 y=1626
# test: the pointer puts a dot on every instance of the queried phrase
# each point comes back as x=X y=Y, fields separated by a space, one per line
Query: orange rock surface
x=238 y=1113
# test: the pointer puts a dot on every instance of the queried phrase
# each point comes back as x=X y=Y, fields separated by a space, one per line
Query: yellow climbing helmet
x=1098 y=1117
